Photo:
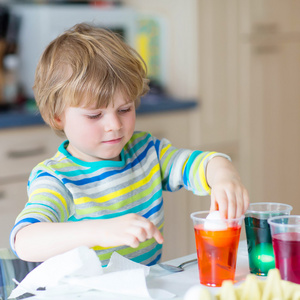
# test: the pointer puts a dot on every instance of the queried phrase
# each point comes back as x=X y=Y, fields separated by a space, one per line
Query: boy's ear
x=57 y=122
x=57 y=119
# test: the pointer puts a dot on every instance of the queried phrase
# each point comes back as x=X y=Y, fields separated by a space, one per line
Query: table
x=176 y=283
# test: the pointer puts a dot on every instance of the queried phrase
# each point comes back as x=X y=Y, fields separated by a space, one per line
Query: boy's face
x=99 y=134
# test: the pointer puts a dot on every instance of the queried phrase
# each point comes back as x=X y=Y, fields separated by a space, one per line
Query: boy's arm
x=204 y=173
x=183 y=167
x=42 y=240
x=227 y=191
x=43 y=228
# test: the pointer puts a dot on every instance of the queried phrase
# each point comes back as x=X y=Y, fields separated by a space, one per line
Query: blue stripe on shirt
x=188 y=167
x=27 y=220
x=130 y=165
x=153 y=210
x=155 y=261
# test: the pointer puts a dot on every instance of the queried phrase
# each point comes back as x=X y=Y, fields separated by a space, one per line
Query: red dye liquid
x=217 y=252
x=287 y=255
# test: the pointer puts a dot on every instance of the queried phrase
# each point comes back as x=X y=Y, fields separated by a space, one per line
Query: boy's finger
x=223 y=206
x=131 y=241
x=231 y=206
x=239 y=205
x=138 y=232
x=158 y=236
x=246 y=200
x=213 y=203
x=239 y=208
x=151 y=230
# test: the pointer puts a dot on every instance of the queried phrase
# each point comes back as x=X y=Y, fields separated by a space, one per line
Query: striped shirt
x=66 y=189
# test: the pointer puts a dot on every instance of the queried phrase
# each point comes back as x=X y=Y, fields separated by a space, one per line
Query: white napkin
x=81 y=261
x=79 y=271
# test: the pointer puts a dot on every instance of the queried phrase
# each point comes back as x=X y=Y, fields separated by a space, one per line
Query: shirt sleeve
x=48 y=201
x=184 y=168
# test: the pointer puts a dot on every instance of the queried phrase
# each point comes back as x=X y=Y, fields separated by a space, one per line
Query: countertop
x=175 y=283
x=150 y=104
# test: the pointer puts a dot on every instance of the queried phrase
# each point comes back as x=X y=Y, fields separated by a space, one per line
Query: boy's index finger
x=158 y=236
x=223 y=208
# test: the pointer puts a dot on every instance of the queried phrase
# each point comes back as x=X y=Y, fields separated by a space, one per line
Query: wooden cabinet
x=249 y=62
x=269 y=68
x=269 y=16
x=171 y=125
x=270 y=123
x=21 y=149
x=217 y=119
x=13 y=197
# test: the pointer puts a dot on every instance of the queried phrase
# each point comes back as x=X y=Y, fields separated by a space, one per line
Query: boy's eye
x=125 y=110
x=94 y=116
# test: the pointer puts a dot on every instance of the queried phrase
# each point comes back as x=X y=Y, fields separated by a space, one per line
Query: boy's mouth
x=113 y=141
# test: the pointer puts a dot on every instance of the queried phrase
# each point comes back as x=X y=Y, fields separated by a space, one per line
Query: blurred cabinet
x=217 y=120
x=21 y=149
x=269 y=16
x=249 y=62
x=171 y=125
x=269 y=120
x=249 y=74
x=12 y=200
x=269 y=68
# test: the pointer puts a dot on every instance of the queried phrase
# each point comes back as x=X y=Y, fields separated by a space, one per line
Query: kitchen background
x=225 y=76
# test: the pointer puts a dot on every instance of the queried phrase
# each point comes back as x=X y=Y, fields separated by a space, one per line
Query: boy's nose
x=113 y=122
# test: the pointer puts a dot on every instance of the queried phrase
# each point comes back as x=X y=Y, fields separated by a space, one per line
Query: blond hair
x=85 y=66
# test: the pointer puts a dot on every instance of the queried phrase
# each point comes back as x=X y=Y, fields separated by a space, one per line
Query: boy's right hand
x=130 y=230
x=42 y=240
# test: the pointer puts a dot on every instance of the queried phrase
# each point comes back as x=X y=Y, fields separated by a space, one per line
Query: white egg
x=214 y=222
x=214 y=215
x=197 y=292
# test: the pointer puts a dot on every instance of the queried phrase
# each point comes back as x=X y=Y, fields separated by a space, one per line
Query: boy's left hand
x=228 y=194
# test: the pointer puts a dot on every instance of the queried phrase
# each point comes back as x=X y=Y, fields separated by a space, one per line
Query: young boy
x=103 y=188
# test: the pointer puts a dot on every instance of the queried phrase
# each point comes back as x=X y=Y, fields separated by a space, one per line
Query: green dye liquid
x=260 y=249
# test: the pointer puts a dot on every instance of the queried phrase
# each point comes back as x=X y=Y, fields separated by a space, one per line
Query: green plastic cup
x=259 y=239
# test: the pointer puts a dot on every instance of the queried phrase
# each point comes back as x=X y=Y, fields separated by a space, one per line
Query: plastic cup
x=285 y=231
x=217 y=244
x=259 y=240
